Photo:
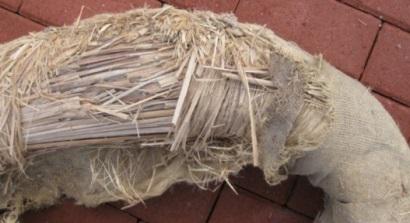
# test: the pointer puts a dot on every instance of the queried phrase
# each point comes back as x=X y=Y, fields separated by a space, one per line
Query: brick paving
x=182 y=203
x=249 y=207
x=11 y=5
x=68 y=212
x=396 y=12
x=20 y=26
x=388 y=69
x=343 y=35
x=251 y=179
x=212 y=5
x=367 y=39
x=66 y=12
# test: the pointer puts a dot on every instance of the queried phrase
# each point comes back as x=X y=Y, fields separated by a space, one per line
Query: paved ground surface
x=367 y=39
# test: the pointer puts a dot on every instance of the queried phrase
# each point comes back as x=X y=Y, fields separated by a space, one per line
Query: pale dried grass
x=195 y=87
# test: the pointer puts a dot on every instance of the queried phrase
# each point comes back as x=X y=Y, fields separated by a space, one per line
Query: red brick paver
x=13 y=26
x=60 y=12
x=12 y=5
x=394 y=11
x=213 y=5
x=388 y=70
x=252 y=179
x=400 y=113
x=70 y=213
x=344 y=36
x=182 y=203
x=247 y=207
x=306 y=199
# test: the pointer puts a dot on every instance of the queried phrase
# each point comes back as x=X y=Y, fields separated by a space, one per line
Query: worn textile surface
x=363 y=164
x=120 y=107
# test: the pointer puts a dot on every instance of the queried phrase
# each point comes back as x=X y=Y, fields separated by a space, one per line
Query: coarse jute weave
x=122 y=106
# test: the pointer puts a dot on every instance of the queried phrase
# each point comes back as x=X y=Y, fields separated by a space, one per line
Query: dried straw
x=196 y=88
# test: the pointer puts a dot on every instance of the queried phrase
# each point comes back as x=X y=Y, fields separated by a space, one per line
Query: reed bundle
x=134 y=102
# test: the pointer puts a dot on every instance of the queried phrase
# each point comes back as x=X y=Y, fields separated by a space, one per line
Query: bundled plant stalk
x=120 y=107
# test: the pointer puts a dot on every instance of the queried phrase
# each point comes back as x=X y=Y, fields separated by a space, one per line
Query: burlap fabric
x=120 y=107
